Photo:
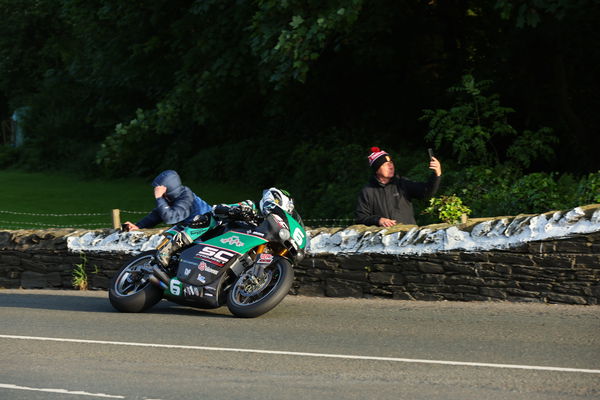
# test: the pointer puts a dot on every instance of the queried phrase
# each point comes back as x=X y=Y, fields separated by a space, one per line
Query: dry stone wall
x=553 y=271
x=553 y=258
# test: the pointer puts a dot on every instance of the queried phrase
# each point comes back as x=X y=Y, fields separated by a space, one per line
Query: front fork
x=258 y=269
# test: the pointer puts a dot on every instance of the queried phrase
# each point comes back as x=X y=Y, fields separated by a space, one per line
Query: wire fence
x=103 y=220
x=328 y=222
x=28 y=220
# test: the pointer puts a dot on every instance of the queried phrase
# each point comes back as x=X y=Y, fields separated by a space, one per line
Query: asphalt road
x=73 y=345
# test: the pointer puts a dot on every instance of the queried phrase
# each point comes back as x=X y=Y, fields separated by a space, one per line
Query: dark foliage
x=295 y=92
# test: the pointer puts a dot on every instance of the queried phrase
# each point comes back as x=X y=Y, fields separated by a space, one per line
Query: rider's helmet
x=274 y=197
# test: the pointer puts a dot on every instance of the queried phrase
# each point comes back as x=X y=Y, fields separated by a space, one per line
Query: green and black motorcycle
x=246 y=265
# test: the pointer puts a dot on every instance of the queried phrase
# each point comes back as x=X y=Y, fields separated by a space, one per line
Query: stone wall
x=553 y=271
x=41 y=259
x=558 y=270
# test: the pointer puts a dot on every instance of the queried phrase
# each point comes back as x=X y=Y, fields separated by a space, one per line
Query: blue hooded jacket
x=179 y=204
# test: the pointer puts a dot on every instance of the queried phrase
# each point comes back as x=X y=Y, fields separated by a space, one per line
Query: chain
x=55 y=215
x=20 y=223
x=70 y=215
x=327 y=221
x=331 y=222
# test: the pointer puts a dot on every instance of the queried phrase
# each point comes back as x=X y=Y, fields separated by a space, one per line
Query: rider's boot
x=163 y=254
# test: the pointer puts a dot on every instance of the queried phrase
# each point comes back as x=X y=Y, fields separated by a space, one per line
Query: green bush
x=477 y=131
x=505 y=191
x=539 y=192
x=448 y=209
x=588 y=189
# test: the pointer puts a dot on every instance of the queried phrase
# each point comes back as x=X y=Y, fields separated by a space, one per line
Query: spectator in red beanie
x=386 y=199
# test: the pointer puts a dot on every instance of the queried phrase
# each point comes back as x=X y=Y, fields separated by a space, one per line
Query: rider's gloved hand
x=200 y=221
x=247 y=211
x=221 y=211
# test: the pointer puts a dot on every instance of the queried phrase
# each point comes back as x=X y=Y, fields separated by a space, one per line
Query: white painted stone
x=493 y=234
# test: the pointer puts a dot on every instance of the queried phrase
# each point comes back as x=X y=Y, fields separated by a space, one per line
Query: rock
x=339 y=288
x=430 y=268
x=35 y=280
x=386 y=278
x=564 y=298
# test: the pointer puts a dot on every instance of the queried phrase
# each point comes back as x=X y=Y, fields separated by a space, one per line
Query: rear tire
x=130 y=289
x=250 y=300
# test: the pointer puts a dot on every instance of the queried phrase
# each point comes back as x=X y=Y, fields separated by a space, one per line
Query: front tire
x=130 y=289
x=251 y=296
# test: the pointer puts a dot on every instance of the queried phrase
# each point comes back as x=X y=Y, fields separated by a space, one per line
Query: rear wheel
x=251 y=295
x=130 y=289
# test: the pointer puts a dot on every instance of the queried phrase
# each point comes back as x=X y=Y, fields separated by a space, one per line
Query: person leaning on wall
x=174 y=203
x=386 y=200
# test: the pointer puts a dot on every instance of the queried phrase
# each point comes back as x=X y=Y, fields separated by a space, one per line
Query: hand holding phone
x=434 y=164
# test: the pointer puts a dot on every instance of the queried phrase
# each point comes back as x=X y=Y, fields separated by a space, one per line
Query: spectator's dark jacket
x=392 y=200
x=179 y=204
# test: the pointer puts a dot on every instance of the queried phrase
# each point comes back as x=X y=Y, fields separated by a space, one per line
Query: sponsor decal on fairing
x=265 y=258
x=204 y=267
x=233 y=240
x=191 y=291
x=214 y=255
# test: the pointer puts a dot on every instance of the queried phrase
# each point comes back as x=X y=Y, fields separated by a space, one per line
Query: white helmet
x=274 y=197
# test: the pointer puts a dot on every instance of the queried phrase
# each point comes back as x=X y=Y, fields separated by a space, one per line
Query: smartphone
x=430 y=151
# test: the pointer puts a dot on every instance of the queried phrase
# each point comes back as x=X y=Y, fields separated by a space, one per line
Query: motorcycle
x=246 y=265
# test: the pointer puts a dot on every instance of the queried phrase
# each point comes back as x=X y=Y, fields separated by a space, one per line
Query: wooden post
x=463 y=219
x=116 y=218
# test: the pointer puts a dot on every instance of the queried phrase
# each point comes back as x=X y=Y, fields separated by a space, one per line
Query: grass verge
x=46 y=200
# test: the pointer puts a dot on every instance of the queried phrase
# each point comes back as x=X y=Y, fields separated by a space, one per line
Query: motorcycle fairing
x=237 y=241
x=203 y=264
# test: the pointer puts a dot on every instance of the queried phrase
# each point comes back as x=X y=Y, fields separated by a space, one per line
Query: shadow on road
x=66 y=302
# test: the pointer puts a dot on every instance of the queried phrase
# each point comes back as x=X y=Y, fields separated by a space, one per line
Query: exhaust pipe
x=160 y=274
x=157 y=282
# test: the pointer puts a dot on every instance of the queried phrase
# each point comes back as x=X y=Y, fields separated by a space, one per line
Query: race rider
x=386 y=199
x=175 y=203
x=245 y=211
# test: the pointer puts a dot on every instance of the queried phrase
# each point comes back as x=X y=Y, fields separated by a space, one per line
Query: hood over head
x=171 y=180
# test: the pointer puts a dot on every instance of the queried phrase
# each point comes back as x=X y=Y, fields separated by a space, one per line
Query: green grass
x=60 y=194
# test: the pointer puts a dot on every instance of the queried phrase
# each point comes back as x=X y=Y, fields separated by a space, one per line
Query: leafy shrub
x=504 y=190
x=588 y=190
x=537 y=192
x=476 y=128
x=448 y=209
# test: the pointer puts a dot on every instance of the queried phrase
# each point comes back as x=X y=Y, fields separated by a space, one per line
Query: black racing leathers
x=392 y=200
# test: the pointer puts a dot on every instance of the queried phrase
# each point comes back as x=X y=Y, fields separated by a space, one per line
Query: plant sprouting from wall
x=80 y=279
x=448 y=209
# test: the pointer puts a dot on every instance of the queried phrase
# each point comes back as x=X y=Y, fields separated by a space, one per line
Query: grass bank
x=44 y=200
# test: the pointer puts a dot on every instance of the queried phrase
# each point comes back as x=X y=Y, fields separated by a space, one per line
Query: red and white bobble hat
x=377 y=158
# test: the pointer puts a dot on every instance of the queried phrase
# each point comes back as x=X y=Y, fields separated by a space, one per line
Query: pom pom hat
x=377 y=158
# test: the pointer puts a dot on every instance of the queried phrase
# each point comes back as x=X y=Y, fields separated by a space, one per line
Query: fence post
x=116 y=218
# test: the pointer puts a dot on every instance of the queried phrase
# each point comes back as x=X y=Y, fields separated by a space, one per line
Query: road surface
x=74 y=345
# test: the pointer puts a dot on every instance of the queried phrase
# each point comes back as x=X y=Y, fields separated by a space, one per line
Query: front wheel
x=130 y=289
x=251 y=295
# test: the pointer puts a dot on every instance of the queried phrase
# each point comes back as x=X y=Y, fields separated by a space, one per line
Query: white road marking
x=61 y=391
x=301 y=354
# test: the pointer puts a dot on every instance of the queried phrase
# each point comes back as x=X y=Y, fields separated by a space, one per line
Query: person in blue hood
x=175 y=203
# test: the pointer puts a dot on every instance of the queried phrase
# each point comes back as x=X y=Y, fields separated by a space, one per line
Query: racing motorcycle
x=246 y=265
